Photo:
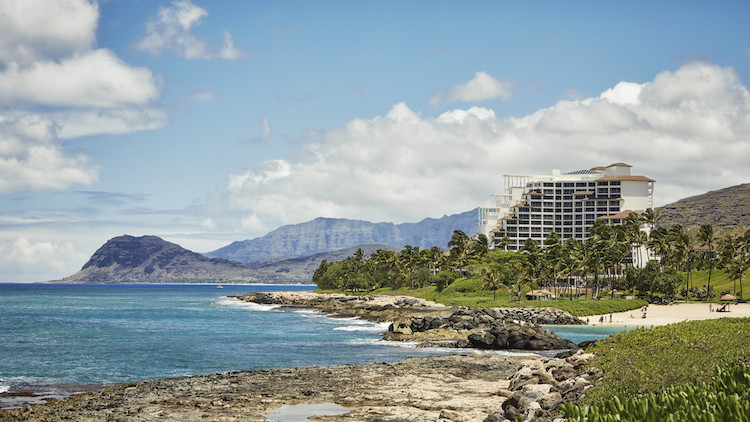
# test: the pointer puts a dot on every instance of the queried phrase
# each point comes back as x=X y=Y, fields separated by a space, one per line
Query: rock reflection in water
x=301 y=412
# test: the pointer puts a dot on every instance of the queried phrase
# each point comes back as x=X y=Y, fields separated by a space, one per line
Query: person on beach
x=601 y=319
x=710 y=308
x=610 y=318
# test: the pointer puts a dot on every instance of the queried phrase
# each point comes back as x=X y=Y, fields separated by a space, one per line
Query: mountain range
x=328 y=234
x=290 y=254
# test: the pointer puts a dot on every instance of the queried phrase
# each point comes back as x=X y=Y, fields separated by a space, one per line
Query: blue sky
x=208 y=122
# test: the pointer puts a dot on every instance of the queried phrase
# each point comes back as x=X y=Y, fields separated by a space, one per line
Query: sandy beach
x=670 y=314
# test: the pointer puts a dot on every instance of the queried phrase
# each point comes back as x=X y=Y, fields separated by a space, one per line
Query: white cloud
x=85 y=122
x=228 y=50
x=482 y=87
x=49 y=64
x=31 y=157
x=171 y=31
x=36 y=260
x=96 y=78
x=32 y=30
x=688 y=129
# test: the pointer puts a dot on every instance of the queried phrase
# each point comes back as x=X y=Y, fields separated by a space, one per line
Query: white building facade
x=566 y=203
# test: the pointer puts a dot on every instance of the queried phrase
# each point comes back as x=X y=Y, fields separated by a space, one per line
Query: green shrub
x=464 y=285
x=644 y=360
x=726 y=398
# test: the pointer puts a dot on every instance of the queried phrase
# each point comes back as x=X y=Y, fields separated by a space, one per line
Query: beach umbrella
x=728 y=298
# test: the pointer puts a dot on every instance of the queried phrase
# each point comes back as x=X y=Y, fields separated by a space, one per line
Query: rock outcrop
x=432 y=324
x=488 y=328
x=539 y=388
x=523 y=337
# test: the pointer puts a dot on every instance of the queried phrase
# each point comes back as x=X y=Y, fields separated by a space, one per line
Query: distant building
x=566 y=203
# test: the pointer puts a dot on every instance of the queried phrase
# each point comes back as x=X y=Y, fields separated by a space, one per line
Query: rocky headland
x=433 y=324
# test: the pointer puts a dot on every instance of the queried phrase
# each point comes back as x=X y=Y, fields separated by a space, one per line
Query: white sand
x=670 y=314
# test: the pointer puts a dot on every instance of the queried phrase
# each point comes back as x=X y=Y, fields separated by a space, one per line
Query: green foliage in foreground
x=644 y=360
x=726 y=398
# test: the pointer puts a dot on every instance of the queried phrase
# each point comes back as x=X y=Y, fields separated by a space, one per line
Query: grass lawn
x=468 y=292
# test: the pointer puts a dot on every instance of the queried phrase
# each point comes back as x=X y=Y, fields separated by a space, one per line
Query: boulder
x=551 y=401
x=498 y=416
x=526 y=337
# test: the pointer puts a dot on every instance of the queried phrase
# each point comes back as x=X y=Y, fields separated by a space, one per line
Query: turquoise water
x=58 y=334
x=579 y=333
x=59 y=337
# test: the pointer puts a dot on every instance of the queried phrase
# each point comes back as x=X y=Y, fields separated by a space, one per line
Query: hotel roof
x=620 y=215
x=625 y=179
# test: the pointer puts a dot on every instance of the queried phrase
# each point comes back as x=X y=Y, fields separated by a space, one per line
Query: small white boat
x=219 y=286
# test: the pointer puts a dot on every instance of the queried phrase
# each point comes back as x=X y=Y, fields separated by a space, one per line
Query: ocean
x=61 y=338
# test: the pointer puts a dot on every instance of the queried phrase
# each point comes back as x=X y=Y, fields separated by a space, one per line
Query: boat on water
x=219 y=286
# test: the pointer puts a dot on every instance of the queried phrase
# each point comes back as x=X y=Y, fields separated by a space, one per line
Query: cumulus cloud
x=97 y=78
x=482 y=87
x=38 y=259
x=688 y=129
x=55 y=84
x=31 y=157
x=171 y=31
x=32 y=30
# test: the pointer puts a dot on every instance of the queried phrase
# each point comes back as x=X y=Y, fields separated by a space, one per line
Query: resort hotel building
x=566 y=203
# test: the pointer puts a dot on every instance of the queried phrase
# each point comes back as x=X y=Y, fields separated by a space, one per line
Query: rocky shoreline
x=479 y=385
x=460 y=387
x=432 y=324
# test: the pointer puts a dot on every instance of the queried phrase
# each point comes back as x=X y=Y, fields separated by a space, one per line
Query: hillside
x=728 y=210
x=329 y=234
x=150 y=259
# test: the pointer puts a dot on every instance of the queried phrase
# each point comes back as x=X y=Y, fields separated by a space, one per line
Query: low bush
x=726 y=398
x=644 y=360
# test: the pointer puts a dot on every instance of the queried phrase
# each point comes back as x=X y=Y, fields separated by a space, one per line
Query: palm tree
x=479 y=246
x=533 y=263
x=434 y=257
x=409 y=258
x=504 y=243
x=727 y=252
x=658 y=242
x=651 y=218
x=744 y=257
x=551 y=256
x=706 y=237
x=458 y=243
x=491 y=280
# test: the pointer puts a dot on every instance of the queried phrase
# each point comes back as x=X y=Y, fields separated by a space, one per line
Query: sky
x=207 y=122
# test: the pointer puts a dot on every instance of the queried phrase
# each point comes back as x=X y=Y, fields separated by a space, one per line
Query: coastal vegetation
x=562 y=274
x=690 y=365
x=726 y=398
